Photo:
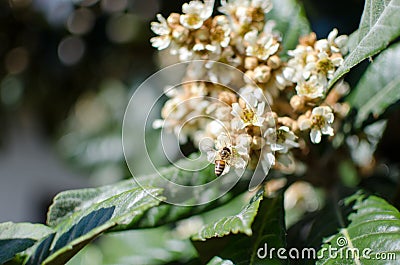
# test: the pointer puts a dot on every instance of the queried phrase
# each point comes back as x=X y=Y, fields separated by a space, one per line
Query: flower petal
x=315 y=136
x=327 y=130
x=305 y=124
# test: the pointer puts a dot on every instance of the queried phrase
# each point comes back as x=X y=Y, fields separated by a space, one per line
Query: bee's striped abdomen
x=219 y=167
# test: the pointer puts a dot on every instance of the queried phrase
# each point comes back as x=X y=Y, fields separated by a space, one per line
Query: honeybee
x=221 y=163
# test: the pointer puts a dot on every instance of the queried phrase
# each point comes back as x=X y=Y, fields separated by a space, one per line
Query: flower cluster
x=263 y=115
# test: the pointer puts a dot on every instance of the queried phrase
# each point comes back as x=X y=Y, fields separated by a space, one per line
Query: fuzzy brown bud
x=262 y=73
x=173 y=19
x=308 y=40
x=202 y=34
x=250 y=74
x=242 y=103
x=274 y=62
x=180 y=33
x=341 y=109
x=227 y=97
x=250 y=63
x=257 y=142
x=286 y=121
x=297 y=103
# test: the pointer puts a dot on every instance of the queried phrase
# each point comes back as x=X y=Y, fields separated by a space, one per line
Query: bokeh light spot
x=122 y=28
x=17 y=60
x=81 y=21
x=112 y=6
x=11 y=90
x=71 y=50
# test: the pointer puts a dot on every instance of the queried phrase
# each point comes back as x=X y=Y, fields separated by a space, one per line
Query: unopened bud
x=297 y=103
x=262 y=73
x=308 y=40
x=249 y=74
x=227 y=97
x=173 y=19
x=274 y=61
x=250 y=63
x=286 y=121
x=202 y=34
x=341 y=109
x=242 y=103
x=180 y=33
x=257 y=143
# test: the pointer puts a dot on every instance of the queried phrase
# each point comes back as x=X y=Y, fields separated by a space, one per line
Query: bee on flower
x=230 y=151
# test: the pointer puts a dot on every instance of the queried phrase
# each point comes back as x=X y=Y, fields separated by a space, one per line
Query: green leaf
x=138 y=247
x=290 y=20
x=239 y=223
x=375 y=226
x=378 y=27
x=67 y=202
x=352 y=41
x=268 y=229
x=379 y=87
x=83 y=225
x=16 y=237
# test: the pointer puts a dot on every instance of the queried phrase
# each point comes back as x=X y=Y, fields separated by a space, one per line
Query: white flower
x=264 y=5
x=162 y=29
x=333 y=44
x=175 y=108
x=281 y=140
x=301 y=56
x=323 y=68
x=261 y=45
x=249 y=115
x=220 y=32
x=320 y=123
x=195 y=13
x=310 y=89
x=245 y=10
x=252 y=94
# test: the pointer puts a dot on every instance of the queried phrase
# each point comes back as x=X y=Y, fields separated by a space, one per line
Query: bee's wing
x=226 y=169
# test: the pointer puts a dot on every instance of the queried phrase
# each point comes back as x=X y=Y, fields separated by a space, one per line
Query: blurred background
x=67 y=70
